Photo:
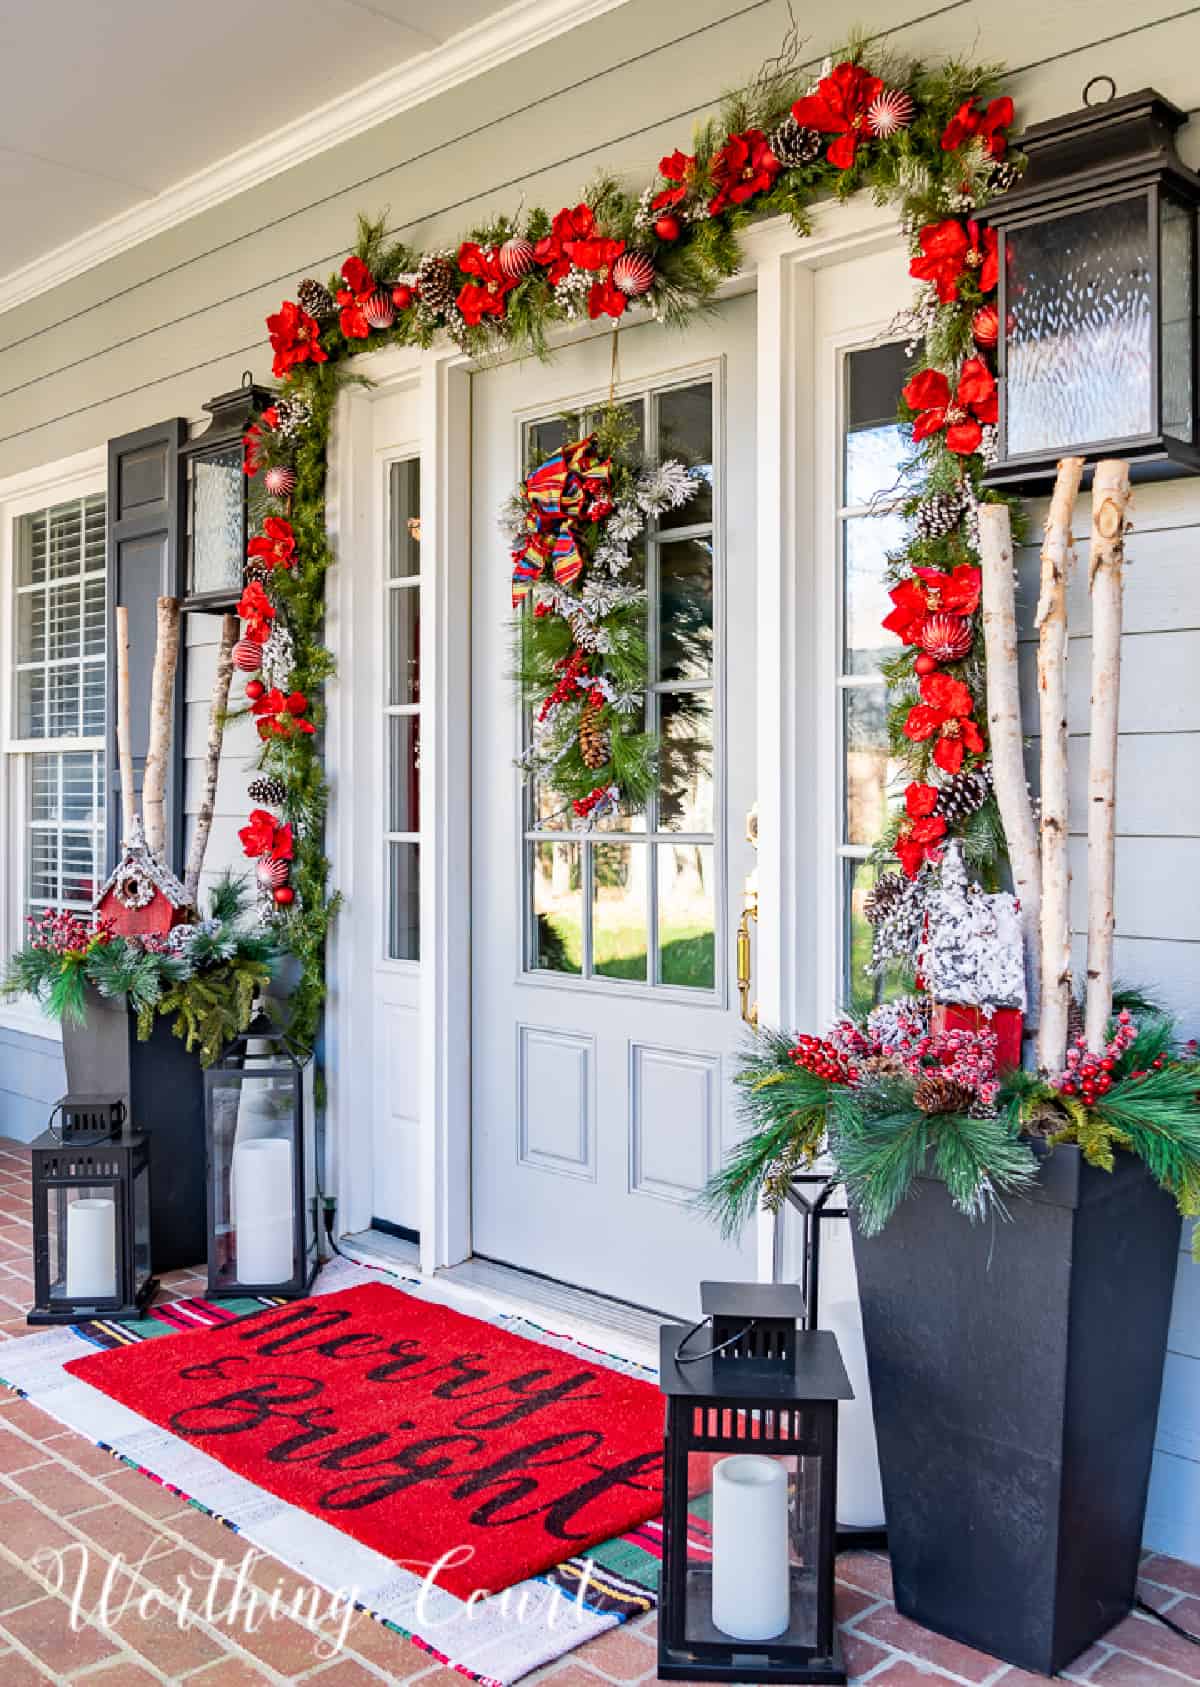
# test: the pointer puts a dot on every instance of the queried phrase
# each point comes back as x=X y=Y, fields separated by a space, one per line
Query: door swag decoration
x=931 y=140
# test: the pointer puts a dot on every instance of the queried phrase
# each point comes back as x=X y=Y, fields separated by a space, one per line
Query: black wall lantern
x=217 y=494
x=91 y=1215
x=751 y=1443
x=1097 y=297
x=262 y=1235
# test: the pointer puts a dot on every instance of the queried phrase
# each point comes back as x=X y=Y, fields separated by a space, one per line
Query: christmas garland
x=929 y=139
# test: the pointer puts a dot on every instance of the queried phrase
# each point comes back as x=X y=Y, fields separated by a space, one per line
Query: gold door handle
x=749 y=912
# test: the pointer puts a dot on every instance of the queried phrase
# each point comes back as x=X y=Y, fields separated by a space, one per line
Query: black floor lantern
x=262 y=1237
x=1097 y=304
x=91 y=1215
x=751 y=1443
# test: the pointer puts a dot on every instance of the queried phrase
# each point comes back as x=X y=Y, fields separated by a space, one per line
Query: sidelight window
x=635 y=899
x=402 y=710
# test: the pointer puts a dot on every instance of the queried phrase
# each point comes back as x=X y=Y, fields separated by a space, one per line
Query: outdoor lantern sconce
x=262 y=1236
x=752 y=1404
x=217 y=495
x=91 y=1215
x=1097 y=296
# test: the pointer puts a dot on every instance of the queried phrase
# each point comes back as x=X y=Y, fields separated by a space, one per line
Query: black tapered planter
x=164 y=1088
x=1015 y=1372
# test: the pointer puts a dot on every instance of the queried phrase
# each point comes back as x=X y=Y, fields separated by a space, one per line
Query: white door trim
x=791 y=662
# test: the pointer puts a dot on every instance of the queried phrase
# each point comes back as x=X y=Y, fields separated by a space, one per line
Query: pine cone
x=964 y=794
x=884 y=894
x=938 y=1094
x=318 y=301
x=595 y=746
x=267 y=790
x=794 y=145
x=940 y=513
x=435 y=282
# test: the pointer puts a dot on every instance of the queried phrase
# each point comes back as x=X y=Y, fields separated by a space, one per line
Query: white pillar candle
x=92 y=1248
x=262 y=1210
x=750 y=1547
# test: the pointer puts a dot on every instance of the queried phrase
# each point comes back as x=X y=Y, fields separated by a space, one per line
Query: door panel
x=604 y=1018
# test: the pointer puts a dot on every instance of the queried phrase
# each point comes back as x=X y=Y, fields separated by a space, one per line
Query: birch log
x=1110 y=506
x=1004 y=730
x=162 y=693
x=1051 y=620
x=212 y=757
x=124 y=742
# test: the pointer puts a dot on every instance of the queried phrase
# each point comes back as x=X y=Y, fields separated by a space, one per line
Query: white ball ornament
x=633 y=273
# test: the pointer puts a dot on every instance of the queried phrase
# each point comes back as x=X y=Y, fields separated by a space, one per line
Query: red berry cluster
x=573 y=672
x=1090 y=1076
x=600 y=794
x=820 y=1057
x=64 y=932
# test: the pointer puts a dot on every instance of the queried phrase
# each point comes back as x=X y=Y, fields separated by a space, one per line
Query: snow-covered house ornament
x=141 y=897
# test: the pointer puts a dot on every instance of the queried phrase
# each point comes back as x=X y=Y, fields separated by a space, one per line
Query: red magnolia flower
x=257 y=611
x=295 y=338
x=989 y=124
x=262 y=836
x=279 y=716
x=949 y=250
x=554 y=249
x=963 y=415
x=839 y=107
x=930 y=591
x=252 y=438
x=484 y=296
x=677 y=168
x=598 y=255
x=358 y=288
x=945 y=713
x=920 y=829
x=276 y=544
x=743 y=167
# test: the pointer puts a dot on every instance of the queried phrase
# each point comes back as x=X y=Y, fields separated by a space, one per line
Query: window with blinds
x=57 y=745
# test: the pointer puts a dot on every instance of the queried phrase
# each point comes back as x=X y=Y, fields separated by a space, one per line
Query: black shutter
x=147 y=538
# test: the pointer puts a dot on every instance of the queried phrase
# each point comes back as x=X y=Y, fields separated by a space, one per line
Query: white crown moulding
x=517 y=29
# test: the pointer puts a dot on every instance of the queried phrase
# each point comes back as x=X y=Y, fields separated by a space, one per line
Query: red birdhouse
x=141 y=896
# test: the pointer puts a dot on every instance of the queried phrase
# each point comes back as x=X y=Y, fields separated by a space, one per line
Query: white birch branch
x=1004 y=730
x=124 y=741
x=212 y=757
x=162 y=688
x=1057 y=557
x=1110 y=504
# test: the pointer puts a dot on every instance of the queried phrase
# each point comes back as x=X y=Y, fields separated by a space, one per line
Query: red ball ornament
x=633 y=274
x=667 y=227
x=985 y=325
x=516 y=258
x=947 y=638
x=280 y=481
x=285 y=895
x=402 y=295
x=925 y=664
x=271 y=872
x=247 y=656
x=255 y=689
x=379 y=311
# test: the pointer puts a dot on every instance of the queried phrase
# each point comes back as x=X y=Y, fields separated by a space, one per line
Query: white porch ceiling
x=120 y=117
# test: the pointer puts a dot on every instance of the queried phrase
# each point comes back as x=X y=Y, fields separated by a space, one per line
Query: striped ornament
x=280 y=481
x=516 y=258
x=633 y=273
x=271 y=872
x=379 y=310
x=247 y=656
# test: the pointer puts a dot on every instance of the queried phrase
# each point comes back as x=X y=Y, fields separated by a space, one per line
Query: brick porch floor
x=56 y=1488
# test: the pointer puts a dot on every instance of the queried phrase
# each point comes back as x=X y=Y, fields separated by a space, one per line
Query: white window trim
x=79 y=476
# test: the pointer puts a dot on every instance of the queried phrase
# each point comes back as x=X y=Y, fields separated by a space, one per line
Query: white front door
x=604 y=1010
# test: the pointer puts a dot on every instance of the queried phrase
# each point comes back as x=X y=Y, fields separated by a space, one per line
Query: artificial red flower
x=963 y=415
x=930 y=591
x=598 y=255
x=677 y=168
x=948 y=250
x=251 y=440
x=743 y=167
x=920 y=830
x=358 y=288
x=553 y=250
x=279 y=716
x=258 y=834
x=358 y=278
x=295 y=338
x=276 y=544
x=989 y=124
x=485 y=295
x=945 y=713
x=257 y=611
x=839 y=107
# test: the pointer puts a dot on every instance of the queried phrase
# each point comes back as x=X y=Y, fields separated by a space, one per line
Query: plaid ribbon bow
x=567 y=490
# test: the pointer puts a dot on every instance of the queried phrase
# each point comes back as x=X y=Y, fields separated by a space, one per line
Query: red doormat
x=430 y=1436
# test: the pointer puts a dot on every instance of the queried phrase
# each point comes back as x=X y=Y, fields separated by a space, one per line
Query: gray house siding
x=160 y=328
